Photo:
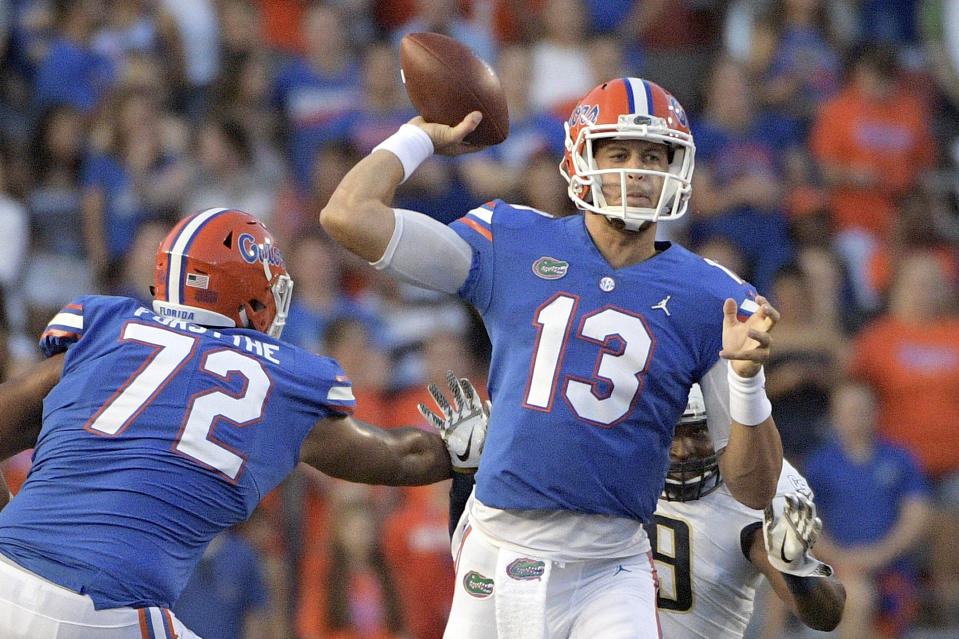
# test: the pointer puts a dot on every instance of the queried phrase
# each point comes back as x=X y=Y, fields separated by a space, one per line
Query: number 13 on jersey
x=625 y=349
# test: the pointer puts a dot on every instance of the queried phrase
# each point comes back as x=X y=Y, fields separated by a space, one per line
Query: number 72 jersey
x=591 y=366
x=160 y=435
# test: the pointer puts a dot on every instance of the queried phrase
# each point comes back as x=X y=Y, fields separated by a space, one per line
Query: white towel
x=520 y=595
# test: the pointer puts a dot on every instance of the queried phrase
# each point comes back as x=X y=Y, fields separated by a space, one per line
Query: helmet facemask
x=281 y=286
x=585 y=182
x=692 y=478
x=697 y=475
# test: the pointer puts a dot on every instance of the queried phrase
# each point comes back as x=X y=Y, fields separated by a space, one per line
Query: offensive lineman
x=163 y=427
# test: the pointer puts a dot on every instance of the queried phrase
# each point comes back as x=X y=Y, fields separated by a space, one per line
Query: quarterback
x=597 y=334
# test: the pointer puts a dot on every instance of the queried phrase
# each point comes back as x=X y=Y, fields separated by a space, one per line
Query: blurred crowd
x=827 y=174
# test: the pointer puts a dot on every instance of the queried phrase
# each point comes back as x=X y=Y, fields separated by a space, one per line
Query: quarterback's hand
x=746 y=344
x=462 y=424
x=448 y=140
x=790 y=537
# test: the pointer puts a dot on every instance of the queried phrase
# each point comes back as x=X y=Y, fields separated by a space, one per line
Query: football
x=446 y=80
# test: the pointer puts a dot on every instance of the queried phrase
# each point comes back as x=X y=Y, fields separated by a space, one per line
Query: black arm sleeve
x=746 y=537
x=460 y=491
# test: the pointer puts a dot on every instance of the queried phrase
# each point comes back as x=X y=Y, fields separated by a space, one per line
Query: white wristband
x=748 y=404
x=411 y=145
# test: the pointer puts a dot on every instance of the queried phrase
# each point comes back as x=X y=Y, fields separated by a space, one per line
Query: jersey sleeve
x=324 y=379
x=715 y=387
x=476 y=227
x=65 y=328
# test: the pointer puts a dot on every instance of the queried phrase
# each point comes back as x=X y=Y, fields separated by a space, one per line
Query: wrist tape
x=748 y=403
x=411 y=145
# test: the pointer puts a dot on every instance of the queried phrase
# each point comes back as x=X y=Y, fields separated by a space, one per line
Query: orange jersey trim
x=476 y=226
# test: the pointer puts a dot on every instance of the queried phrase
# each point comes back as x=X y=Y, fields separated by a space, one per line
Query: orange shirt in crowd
x=881 y=265
x=281 y=24
x=891 y=138
x=915 y=371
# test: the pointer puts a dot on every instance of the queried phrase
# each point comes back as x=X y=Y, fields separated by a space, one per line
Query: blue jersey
x=591 y=366
x=160 y=435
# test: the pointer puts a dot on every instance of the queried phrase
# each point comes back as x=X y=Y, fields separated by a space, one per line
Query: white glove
x=790 y=537
x=463 y=425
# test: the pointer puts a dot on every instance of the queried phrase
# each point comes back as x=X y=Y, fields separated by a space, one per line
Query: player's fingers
x=806 y=506
x=469 y=392
x=488 y=407
x=467 y=125
x=729 y=312
x=802 y=526
x=770 y=312
x=440 y=400
x=816 y=530
x=762 y=337
x=752 y=355
x=769 y=515
x=432 y=418
x=459 y=400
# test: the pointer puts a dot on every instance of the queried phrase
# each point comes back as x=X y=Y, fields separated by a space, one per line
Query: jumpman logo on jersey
x=662 y=305
x=620 y=569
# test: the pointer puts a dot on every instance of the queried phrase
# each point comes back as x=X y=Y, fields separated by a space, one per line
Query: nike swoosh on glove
x=790 y=537
x=463 y=422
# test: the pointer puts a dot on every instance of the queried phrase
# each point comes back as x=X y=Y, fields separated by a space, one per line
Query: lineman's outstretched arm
x=353 y=450
x=22 y=402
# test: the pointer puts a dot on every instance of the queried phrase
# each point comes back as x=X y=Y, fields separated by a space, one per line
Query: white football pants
x=608 y=598
x=33 y=608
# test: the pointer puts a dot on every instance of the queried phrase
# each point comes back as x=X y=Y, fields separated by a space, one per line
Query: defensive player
x=597 y=334
x=711 y=551
x=161 y=428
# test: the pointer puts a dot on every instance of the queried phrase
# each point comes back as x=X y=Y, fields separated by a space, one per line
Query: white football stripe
x=67 y=319
x=639 y=95
x=340 y=394
x=176 y=253
x=484 y=214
